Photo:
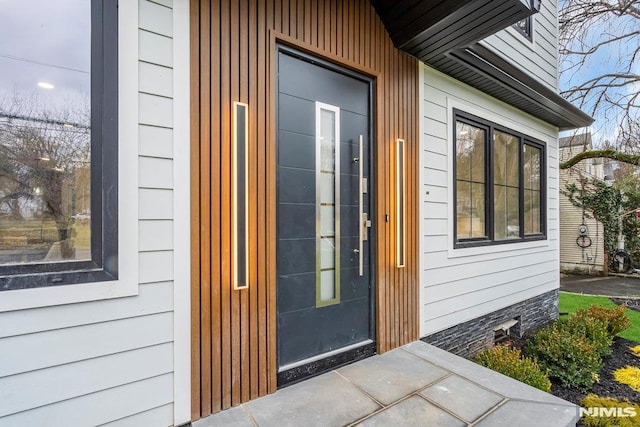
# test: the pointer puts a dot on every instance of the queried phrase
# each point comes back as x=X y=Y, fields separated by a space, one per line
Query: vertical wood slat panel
x=225 y=207
x=234 y=332
x=196 y=337
x=205 y=203
x=265 y=20
x=253 y=101
x=244 y=339
x=234 y=94
x=216 y=359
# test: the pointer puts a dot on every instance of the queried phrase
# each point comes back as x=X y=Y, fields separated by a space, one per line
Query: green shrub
x=571 y=358
x=616 y=319
x=591 y=328
x=593 y=401
x=509 y=362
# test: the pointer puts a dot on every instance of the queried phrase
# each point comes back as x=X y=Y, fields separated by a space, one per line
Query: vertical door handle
x=361 y=229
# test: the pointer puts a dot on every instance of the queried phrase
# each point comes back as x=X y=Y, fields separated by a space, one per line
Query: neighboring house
x=581 y=236
x=276 y=188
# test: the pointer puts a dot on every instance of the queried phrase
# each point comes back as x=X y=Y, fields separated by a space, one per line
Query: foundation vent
x=502 y=332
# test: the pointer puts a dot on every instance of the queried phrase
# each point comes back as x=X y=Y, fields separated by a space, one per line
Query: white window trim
x=510 y=124
x=127 y=283
x=181 y=212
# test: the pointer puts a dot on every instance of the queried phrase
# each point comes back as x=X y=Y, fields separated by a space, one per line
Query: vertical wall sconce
x=240 y=196
x=400 y=203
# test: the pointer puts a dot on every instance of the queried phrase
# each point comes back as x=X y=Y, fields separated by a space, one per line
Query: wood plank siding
x=233 y=59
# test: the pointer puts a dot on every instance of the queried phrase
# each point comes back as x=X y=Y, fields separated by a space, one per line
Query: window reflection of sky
x=45 y=42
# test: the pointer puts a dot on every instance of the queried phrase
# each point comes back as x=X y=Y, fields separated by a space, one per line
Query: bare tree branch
x=599 y=48
x=607 y=154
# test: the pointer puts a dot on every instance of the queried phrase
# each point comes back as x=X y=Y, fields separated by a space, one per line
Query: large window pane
x=506 y=187
x=470 y=181
x=532 y=189
x=504 y=203
x=45 y=150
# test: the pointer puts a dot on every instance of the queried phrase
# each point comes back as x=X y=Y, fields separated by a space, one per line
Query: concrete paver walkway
x=415 y=385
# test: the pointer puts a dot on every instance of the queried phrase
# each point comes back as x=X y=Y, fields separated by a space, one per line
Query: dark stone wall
x=468 y=338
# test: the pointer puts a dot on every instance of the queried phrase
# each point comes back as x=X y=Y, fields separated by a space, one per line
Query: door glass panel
x=327 y=204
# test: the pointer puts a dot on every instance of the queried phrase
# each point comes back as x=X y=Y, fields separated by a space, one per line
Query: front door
x=324 y=241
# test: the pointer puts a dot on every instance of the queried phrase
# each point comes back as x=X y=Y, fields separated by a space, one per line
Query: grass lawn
x=572 y=302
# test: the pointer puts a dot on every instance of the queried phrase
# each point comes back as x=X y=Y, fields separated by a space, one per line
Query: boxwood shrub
x=570 y=357
x=591 y=328
x=616 y=319
x=508 y=361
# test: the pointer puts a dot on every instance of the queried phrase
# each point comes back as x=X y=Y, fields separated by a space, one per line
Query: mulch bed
x=620 y=357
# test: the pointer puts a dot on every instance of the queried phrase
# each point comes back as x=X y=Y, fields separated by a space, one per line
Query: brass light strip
x=400 y=203
x=240 y=195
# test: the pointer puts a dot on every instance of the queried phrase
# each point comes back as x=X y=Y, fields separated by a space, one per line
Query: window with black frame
x=58 y=142
x=499 y=184
x=524 y=26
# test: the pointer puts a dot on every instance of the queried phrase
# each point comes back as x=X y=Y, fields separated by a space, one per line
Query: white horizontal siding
x=156 y=417
x=155 y=48
x=99 y=408
x=539 y=58
x=479 y=307
x=51 y=348
x=156 y=18
x=155 y=142
x=156 y=266
x=21 y=392
x=155 y=172
x=155 y=204
x=155 y=79
x=153 y=298
x=461 y=284
x=111 y=361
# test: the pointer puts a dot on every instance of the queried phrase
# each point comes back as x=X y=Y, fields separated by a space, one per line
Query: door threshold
x=316 y=365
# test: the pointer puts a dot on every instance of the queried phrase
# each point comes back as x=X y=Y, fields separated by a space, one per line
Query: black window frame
x=528 y=26
x=103 y=265
x=489 y=238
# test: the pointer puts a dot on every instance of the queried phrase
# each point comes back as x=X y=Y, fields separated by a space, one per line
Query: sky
x=45 y=42
x=608 y=59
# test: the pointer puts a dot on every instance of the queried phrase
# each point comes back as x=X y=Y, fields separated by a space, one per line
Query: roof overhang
x=446 y=35
x=492 y=74
x=428 y=28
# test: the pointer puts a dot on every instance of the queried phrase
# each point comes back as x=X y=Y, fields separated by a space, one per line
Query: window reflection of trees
x=45 y=182
x=532 y=189
x=470 y=180
x=506 y=189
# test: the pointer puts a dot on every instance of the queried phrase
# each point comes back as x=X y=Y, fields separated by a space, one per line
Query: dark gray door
x=324 y=287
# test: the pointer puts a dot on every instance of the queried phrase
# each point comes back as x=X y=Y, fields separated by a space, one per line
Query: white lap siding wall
x=112 y=360
x=537 y=57
x=457 y=285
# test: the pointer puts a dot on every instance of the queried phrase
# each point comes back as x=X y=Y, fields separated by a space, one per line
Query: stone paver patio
x=415 y=385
